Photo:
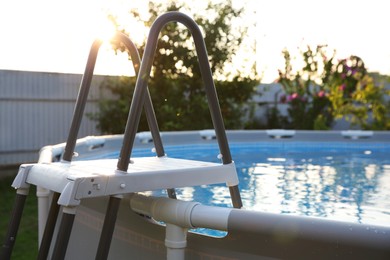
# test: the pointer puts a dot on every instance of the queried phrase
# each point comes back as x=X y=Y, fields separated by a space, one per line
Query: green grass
x=26 y=245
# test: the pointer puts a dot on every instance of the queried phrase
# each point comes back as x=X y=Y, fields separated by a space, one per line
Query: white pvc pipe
x=175 y=241
x=181 y=213
x=179 y=216
x=210 y=217
x=43 y=209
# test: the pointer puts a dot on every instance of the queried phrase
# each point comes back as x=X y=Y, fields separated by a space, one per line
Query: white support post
x=179 y=216
x=175 y=242
x=43 y=210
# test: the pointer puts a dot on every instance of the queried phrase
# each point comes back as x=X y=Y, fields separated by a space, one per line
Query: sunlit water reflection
x=349 y=182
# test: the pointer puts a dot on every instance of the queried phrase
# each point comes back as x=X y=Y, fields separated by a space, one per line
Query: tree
x=175 y=85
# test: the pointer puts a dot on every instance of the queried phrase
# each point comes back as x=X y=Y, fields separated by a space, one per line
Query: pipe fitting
x=163 y=209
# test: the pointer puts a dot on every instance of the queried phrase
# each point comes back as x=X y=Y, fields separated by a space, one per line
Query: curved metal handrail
x=84 y=90
x=113 y=205
x=141 y=90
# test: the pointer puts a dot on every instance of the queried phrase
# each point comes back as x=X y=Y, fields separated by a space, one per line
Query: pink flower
x=342 y=87
x=292 y=97
x=321 y=94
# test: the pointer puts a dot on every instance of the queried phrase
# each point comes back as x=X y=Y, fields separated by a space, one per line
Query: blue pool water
x=349 y=182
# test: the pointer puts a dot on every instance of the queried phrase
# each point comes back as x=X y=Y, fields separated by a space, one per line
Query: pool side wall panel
x=252 y=235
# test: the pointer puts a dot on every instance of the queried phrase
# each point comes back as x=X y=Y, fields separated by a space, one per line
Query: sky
x=55 y=35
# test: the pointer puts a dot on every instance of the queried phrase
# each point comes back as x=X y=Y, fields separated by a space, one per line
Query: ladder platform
x=95 y=178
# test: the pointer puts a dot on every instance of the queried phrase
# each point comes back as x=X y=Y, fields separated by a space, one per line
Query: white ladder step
x=95 y=178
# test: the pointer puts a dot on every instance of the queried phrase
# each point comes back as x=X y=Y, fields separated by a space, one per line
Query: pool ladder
x=71 y=182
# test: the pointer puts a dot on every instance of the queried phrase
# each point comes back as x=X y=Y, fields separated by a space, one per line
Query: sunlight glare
x=106 y=31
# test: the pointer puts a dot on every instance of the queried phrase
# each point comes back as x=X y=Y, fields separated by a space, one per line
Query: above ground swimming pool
x=335 y=180
x=306 y=195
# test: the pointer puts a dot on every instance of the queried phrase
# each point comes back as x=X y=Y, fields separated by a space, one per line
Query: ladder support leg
x=108 y=228
x=13 y=227
x=64 y=233
x=171 y=193
x=49 y=228
x=236 y=197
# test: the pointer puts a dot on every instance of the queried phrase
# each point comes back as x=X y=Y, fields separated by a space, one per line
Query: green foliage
x=26 y=244
x=323 y=90
x=306 y=90
x=112 y=115
x=175 y=85
x=355 y=96
x=365 y=105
